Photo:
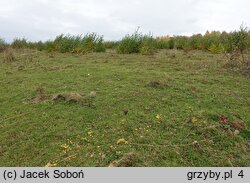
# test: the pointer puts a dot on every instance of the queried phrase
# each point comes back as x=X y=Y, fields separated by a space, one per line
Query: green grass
x=189 y=85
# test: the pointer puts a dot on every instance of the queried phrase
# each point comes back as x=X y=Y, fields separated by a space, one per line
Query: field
x=106 y=109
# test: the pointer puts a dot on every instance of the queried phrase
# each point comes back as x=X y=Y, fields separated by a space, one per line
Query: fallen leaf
x=158 y=117
x=50 y=164
x=194 y=120
x=65 y=146
x=121 y=142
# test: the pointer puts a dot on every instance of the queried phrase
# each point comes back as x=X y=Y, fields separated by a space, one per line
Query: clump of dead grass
x=156 y=84
x=233 y=61
x=40 y=96
x=173 y=55
x=68 y=97
x=128 y=160
x=233 y=127
x=72 y=97
x=51 y=55
x=8 y=56
x=246 y=69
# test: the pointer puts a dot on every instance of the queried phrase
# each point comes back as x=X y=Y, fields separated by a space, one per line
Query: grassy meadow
x=173 y=108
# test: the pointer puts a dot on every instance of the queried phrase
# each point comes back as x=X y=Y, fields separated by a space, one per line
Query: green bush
x=195 y=42
x=239 y=40
x=216 y=48
x=37 y=45
x=137 y=43
x=211 y=39
x=110 y=44
x=148 y=45
x=215 y=42
x=49 y=46
x=130 y=43
x=3 y=45
x=162 y=42
x=77 y=44
x=19 y=43
x=181 y=42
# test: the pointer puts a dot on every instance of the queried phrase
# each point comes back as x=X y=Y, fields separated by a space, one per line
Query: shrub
x=77 y=44
x=137 y=43
x=171 y=43
x=224 y=40
x=216 y=48
x=19 y=43
x=211 y=39
x=37 y=45
x=181 y=42
x=162 y=42
x=49 y=46
x=215 y=42
x=110 y=44
x=239 y=41
x=3 y=45
x=130 y=43
x=148 y=45
x=195 y=42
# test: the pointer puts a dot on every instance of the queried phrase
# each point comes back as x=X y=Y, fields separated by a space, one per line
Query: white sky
x=45 y=19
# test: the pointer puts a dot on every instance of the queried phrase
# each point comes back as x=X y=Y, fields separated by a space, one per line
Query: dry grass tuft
x=8 y=56
x=128 y=160
x=74 y=97
x=246 y=69
x=236 y=64
x=69 y=97
x=2 y=49
x=40 y=96
x=51 y=55
x=156 y=84
x=173 y=55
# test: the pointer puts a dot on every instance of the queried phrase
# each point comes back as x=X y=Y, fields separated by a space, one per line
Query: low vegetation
x=8 y=56
x=3 y=45
x=65 y=44
x=140 y=101
x=173 y=108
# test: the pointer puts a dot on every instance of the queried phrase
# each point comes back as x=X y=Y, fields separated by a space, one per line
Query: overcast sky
x=44 y=19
